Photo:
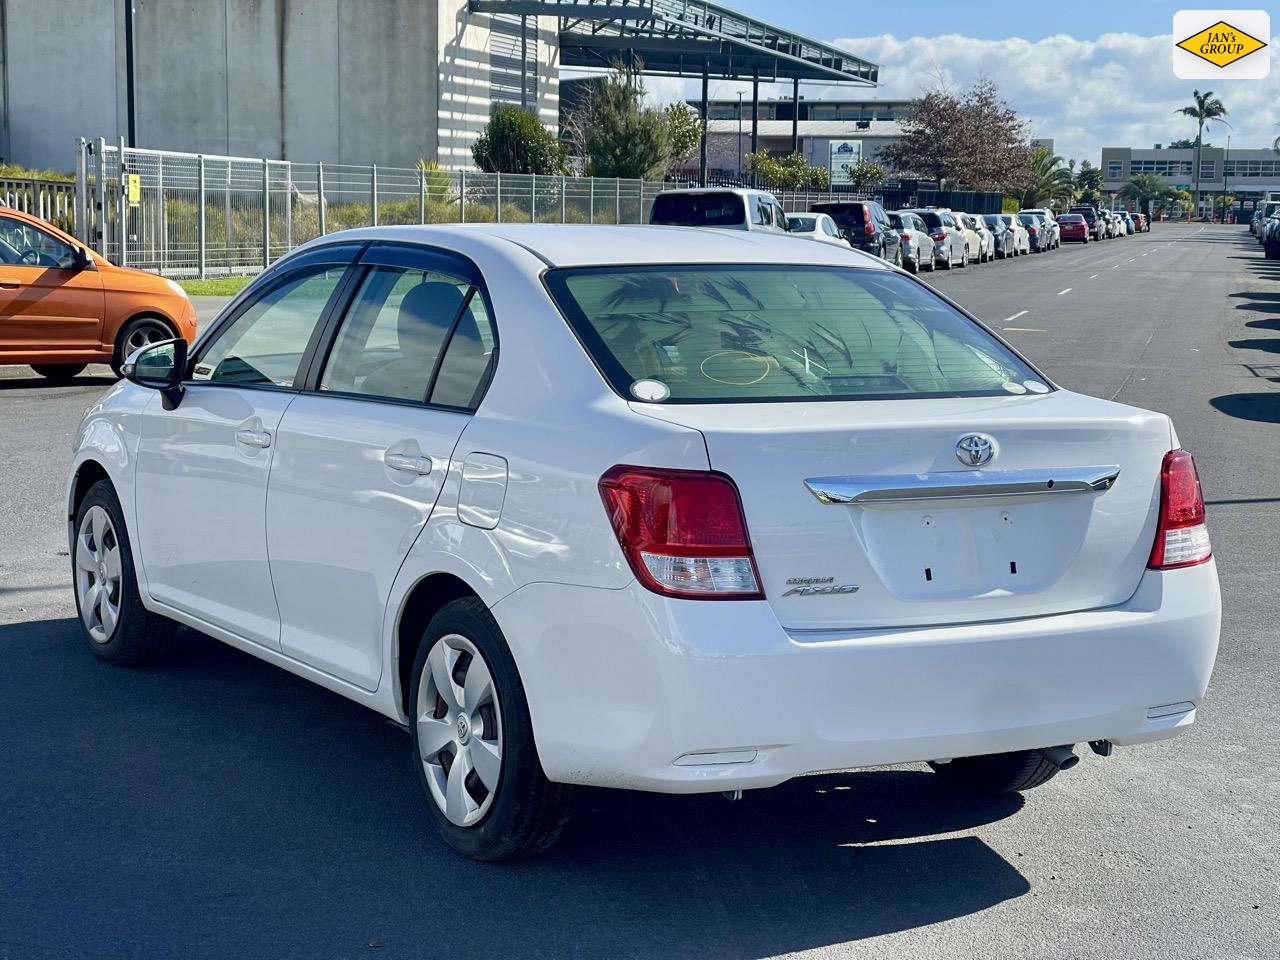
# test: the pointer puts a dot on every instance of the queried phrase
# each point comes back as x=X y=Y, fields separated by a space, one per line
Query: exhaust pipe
x=1061 y=757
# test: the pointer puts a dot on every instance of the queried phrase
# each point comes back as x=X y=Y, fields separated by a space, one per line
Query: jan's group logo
x=1226 y=44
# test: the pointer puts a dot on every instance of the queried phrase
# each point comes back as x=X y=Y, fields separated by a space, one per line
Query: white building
x=1246 y=173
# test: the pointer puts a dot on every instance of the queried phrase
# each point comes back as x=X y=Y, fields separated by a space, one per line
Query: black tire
x=964 y=257
x=139 y=636
x=58 y=372
x=150 y=329
x=528 y=811
x=997 y=772
x=912 y=266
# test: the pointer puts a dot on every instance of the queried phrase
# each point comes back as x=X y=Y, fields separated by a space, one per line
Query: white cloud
x=1117 y=90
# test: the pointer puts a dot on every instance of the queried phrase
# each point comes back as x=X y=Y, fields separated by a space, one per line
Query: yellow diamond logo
x=1221 y=44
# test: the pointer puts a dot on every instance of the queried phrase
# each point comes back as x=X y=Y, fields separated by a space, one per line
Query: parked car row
x=920 y=238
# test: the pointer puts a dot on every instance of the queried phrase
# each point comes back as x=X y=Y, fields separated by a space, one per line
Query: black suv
x=865 y=225
x=1091 y=217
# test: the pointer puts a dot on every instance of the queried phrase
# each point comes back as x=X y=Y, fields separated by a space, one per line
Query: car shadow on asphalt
x=216 y=803
x=1258 y=406
x=28 y=383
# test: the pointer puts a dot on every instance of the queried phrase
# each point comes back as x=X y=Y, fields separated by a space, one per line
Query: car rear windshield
x=931 y=220
x=762 y=332
x=1071 y=218
x=698 y=210
x=848 y=216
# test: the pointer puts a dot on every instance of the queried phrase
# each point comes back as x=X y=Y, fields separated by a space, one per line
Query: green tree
x=865 y=173
x=1185 y=143
x=684 y=129
x=1144 y=189
x=1050 y=181
x=1204 y=108
x=625 y=138
x=787 y=173
x=1089 y=184
x=514 y=141
x=974 y=139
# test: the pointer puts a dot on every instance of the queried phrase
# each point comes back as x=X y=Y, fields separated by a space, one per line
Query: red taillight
x=942 y=235
x=868 y=228
x=1182 y=538
x=682 y=531
x=906 y=234
x=1032 y=230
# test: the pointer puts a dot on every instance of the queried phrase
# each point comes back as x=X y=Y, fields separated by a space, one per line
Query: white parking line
x=1061 y=292
x=1116 y=267
x=1020 y=313
x=1024 y=329
x=1094 y=277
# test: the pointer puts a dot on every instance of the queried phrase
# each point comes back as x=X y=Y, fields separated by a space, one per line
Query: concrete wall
x=58 y=69
x=373 y=81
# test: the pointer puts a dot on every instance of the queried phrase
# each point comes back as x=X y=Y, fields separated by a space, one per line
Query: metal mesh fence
x=187 y=215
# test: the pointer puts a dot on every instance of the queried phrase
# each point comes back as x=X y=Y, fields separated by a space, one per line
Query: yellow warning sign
x=1222 y=44
x=133 y=188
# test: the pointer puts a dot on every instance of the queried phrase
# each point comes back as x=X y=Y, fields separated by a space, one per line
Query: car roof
x=585 y=245
x=703 y=191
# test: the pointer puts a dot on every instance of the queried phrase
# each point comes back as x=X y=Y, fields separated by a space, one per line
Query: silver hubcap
x=144 y=335
x=98 y=574
x=459 y=727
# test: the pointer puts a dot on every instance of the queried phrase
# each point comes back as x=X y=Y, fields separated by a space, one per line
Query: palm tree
x=1145 y=188
x=1049 y=181
x=1205 y=108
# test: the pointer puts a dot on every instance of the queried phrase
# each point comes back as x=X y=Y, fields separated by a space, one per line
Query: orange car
x=63 y=306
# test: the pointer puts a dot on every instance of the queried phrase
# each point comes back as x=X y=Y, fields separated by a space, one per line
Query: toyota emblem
x=975 y=449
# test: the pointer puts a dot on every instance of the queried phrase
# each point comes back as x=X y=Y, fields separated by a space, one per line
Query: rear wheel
x=473 y=742
x=118 y=627
x=58 y=372
x=138 y=333
x=964 y=256
x=997 y=772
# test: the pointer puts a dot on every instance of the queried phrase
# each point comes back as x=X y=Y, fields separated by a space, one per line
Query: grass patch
x=218 y=287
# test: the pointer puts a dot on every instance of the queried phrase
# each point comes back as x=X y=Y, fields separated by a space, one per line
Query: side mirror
x=159 y=366
x=81 y=259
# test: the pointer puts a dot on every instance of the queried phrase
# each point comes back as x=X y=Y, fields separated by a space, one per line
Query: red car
x=1140 y=224
x=1073 y=226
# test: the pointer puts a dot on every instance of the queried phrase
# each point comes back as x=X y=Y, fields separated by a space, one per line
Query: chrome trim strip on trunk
x=962 y=485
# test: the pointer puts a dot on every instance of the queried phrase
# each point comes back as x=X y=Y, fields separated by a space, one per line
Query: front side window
x=22 y=245
x=265 y=343
x=726 y=333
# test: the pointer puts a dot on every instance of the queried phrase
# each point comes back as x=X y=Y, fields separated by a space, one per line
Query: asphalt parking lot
x=218 y=807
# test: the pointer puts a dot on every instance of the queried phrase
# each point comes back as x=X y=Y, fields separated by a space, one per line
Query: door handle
x=401 y=461
x=254 y=438
x=9 y=283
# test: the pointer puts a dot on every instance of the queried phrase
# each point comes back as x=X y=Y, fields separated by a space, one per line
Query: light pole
x=1225 y=192
x=739 y=136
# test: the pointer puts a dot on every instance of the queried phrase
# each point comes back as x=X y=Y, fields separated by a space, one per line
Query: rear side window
x=742 y=333
x=698 y=210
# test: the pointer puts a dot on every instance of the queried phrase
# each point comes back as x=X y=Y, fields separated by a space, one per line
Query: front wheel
x=138 y=333
x=58 y=372
x=473 y=742
x=118 y=627
x=997 y=772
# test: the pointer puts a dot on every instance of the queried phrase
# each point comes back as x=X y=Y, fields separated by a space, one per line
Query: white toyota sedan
x=647 y=507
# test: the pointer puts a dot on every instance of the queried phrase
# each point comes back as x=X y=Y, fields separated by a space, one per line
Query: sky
x=1087 y=74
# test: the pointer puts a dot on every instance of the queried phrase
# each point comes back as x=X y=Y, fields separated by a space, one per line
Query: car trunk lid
x=862 y=515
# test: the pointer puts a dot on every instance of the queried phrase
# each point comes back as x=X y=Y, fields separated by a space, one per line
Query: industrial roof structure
x=687 y=38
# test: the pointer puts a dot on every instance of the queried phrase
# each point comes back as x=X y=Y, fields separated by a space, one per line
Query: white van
x=726 y=208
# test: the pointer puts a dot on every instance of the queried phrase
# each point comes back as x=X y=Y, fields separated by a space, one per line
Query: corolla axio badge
x=975 y=449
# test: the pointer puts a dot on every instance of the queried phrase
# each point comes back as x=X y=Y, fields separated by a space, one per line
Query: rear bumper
x=627 y=689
